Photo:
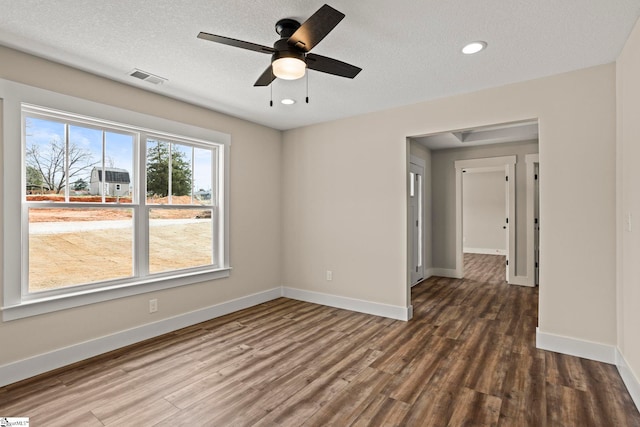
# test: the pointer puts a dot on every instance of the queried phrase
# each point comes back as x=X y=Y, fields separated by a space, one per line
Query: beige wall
x=443 y=176
x=344 y=196
x=628 y=145
x=254 y=202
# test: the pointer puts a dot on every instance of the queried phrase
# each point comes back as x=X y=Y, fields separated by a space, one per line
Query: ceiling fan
x=290 y=55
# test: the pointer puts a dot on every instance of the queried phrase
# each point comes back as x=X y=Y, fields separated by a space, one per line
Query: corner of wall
x=629 y=378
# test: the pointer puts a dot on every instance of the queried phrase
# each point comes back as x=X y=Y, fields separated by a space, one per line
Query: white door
x=416 y=226
x=536 y=221
x=506 y=225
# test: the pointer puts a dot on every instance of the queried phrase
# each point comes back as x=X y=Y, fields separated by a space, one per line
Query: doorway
x=485 y=207
x=506 y=164
x=447 y=154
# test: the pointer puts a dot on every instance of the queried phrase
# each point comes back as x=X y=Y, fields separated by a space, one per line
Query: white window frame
x=14 y=303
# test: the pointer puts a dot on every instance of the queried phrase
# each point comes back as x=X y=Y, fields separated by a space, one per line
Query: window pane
x=179 y=238
x=85 y=154
x=203 y=177
x=73 y=246
x=157 y=171
x=181 y=156
x=44 y=159
x=117 y=183
x=412 y=178
x=188 y=164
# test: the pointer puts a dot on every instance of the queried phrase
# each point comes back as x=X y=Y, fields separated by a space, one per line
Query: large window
x=110 y=208
x=96 y=216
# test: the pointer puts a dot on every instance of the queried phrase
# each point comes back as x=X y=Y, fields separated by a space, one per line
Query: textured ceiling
x=409 y=50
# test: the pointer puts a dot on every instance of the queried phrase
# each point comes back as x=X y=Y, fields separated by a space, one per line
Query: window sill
x=37 y=306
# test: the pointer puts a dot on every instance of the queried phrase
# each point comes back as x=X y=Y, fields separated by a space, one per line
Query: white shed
x=115 y=183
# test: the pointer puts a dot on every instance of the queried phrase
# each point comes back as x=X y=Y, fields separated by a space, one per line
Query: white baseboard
x=575 y=347
x=36 y=365
x=362 y=306
x=484 y=251
x=428 y=272
x=629 y=378
x=446 y=272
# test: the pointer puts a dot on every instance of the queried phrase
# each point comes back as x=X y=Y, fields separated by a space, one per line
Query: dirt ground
x=84 y=214
x=58 y=260
x=63 y=259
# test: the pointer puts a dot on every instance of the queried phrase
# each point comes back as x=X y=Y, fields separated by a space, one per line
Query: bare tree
x=49 y=161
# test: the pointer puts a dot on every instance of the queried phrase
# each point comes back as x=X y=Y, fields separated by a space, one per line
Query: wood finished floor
x=467 y=358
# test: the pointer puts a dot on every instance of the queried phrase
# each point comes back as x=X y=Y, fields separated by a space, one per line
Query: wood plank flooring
x=468 y=358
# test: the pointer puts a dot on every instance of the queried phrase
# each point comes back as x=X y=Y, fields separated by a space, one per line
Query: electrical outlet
x=153 y=305
x=329 y=275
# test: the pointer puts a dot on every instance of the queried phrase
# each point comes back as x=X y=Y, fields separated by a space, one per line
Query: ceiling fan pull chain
x=307 y=87
x=271 y=88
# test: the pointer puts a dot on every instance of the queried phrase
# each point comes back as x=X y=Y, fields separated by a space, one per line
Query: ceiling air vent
x=147 y=77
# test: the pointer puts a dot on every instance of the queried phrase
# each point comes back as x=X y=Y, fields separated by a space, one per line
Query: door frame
x=531 y=161
x=505 y=193
x=421 y=163
x=509 y=165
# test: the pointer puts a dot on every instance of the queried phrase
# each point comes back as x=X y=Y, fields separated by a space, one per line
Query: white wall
x=484 y=204
x=347 y=211
x=255 y=235
x=628 y=146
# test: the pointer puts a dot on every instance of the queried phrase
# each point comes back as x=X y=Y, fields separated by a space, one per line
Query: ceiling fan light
x=288 y=68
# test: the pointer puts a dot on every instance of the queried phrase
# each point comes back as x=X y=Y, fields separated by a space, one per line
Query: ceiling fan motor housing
x=286 y=27
x=285 y=50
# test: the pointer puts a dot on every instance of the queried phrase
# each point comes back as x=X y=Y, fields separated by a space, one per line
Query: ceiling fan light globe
x=288 y=68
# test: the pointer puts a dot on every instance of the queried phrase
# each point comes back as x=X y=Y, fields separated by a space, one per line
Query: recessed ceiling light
x=474 y=47
x=288 y=101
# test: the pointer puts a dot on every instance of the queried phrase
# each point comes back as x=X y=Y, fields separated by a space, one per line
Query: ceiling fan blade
x=235 y=43
x=266 y=78
x=331 y=66
x=314 y=29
